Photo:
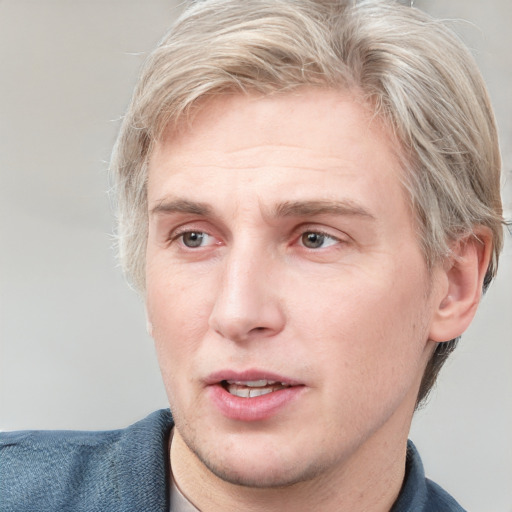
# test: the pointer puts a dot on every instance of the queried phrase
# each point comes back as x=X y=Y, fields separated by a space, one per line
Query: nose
x=247 y=305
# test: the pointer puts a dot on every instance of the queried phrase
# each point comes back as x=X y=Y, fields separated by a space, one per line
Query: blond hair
x=414 y=72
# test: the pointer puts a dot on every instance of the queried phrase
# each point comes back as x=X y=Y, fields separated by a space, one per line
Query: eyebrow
x=285 y=209
x=307 y=208
x=181 y=206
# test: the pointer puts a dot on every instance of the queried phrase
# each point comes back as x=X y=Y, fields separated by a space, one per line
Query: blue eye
x=194 y=239
x=315 y=240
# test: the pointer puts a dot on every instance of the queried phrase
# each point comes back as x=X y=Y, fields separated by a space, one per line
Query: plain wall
x=74 y=351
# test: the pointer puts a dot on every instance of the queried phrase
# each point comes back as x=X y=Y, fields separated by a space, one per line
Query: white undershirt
x=177 y=501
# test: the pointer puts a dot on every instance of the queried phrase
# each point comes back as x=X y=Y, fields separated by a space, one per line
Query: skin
x=351 y=318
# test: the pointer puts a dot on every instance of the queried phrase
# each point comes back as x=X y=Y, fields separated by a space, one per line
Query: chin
x=262 y=477
x=260 y=467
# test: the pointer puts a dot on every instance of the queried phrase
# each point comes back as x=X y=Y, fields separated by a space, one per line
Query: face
x=289 y=301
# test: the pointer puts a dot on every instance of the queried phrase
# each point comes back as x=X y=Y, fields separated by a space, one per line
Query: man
x=308 y=198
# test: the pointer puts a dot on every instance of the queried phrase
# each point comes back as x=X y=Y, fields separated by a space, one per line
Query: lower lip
x=253 y=409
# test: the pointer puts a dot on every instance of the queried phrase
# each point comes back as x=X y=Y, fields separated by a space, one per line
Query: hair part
x=412 y=70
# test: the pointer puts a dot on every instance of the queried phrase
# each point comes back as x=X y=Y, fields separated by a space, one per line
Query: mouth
x=252 y=395
x=252 y=388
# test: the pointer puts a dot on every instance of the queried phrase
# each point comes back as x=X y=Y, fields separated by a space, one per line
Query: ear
x=463 y=274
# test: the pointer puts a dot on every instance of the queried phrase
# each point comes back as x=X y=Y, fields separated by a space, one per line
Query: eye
x=193 y=239
x=316 y=240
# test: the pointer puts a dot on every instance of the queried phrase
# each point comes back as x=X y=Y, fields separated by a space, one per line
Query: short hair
x=411 y=70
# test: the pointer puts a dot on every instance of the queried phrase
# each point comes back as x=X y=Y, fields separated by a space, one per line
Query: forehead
x=309 y=115
x=322 y=142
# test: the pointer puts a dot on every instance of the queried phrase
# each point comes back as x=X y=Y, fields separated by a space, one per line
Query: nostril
x=258 y=329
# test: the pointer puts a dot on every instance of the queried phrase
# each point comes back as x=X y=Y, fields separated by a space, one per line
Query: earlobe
x=463 y=276
x=149 y=325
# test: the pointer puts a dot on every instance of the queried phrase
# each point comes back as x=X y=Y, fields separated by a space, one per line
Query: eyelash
x=319 y=233
x=179 y=234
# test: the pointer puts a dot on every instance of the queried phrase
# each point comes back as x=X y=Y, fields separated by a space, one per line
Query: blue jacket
x=127 y=470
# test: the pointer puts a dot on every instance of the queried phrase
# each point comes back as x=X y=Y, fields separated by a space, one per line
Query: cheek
x=177 y=333
x=178 y=325
x=369 y=335
x=178 y=310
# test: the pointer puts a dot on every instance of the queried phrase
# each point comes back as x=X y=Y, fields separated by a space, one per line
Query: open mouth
x=252 y=395
x=252 y=388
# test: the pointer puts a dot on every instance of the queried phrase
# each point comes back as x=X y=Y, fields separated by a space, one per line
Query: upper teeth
x=252 y=388
x=255 y=383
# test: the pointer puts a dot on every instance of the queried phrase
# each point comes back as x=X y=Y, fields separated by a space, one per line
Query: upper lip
x=249 y=375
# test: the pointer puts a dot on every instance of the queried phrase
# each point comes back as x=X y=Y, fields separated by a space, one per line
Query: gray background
x=74 y=353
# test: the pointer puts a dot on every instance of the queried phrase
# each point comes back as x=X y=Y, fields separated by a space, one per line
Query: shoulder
x=65 y=470
x=419 y=494
x=439 y=500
